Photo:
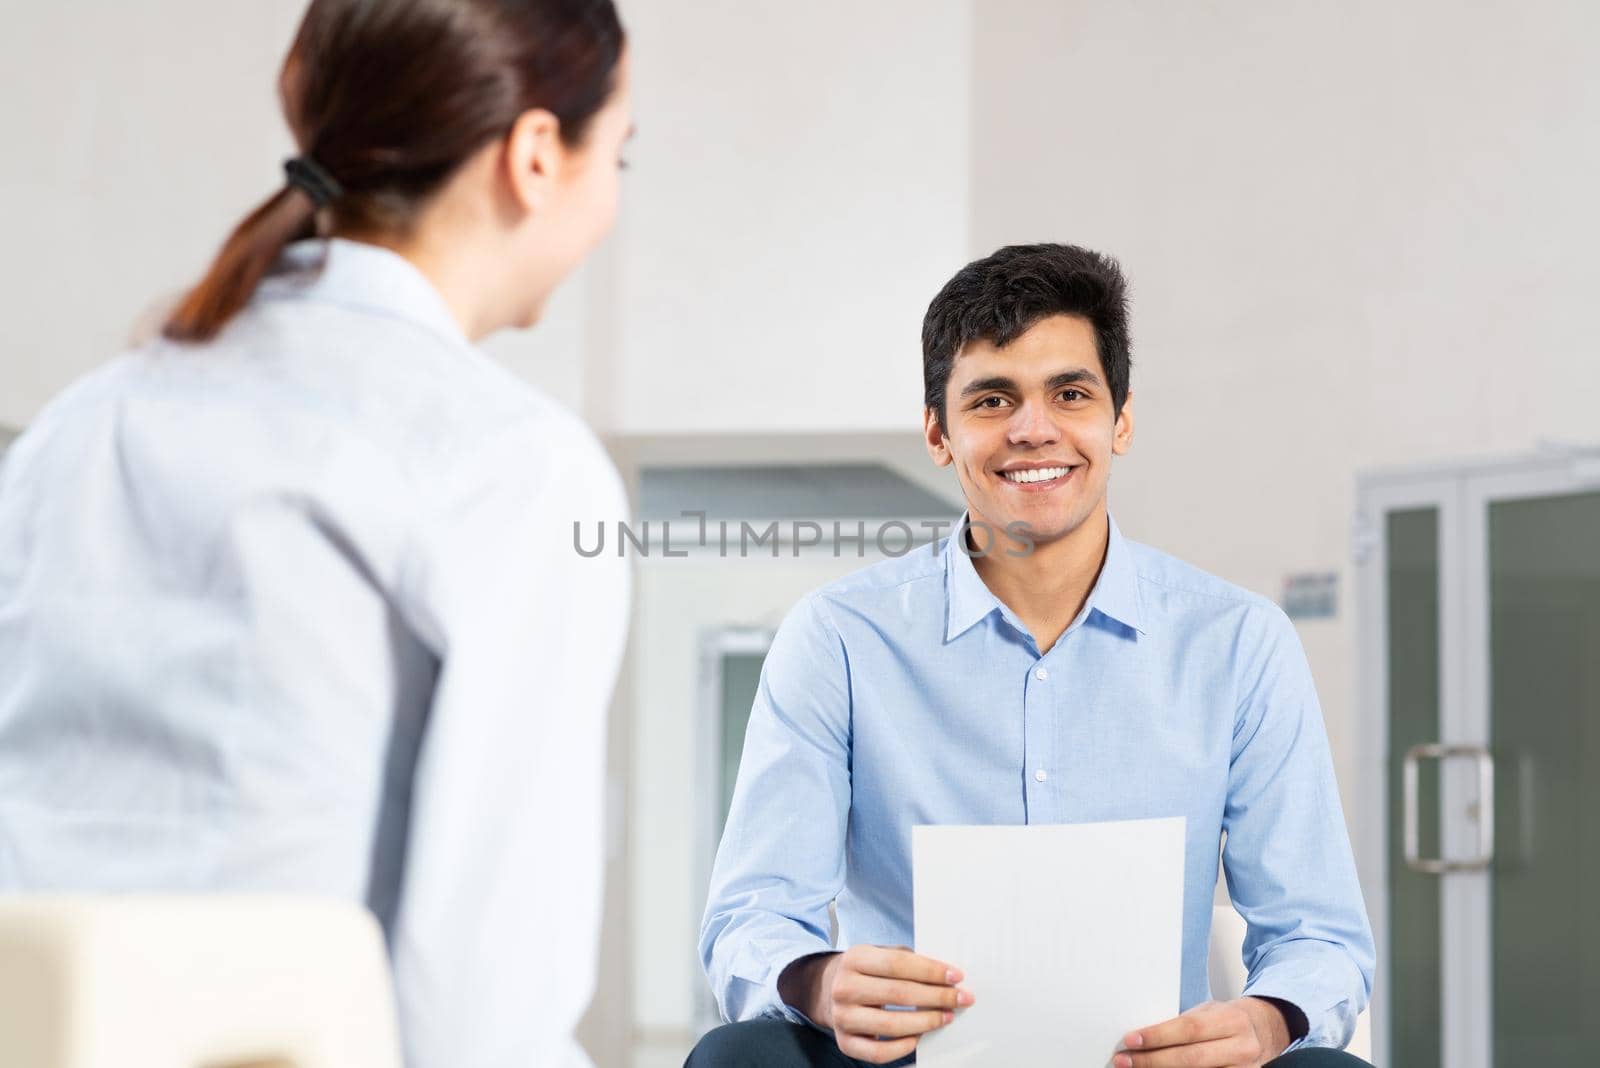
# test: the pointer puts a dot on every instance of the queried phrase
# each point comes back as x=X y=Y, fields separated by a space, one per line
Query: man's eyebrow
x=984 y=385
x=1069 y=378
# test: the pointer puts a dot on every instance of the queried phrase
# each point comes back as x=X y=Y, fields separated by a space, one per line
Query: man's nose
x=1033 y=425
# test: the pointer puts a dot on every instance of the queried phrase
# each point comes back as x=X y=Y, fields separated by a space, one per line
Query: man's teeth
x=1038 y=474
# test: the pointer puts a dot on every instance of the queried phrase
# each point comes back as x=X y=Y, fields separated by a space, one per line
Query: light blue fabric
x=908 y=694
x=297 y=611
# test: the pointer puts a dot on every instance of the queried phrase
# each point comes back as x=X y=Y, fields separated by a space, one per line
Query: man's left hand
x=1245 y=1033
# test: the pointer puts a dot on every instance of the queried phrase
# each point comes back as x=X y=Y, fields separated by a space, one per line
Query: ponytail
x=249 y=253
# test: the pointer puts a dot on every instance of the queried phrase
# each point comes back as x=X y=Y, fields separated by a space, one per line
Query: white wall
x=133 y=138
x=1359 y=234
x=799 y=192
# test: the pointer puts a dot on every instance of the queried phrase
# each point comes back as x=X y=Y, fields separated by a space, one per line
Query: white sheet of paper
x=1070 y=936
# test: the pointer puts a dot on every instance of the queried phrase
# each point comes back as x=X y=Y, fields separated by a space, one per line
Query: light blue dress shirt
x=298 y=611
x=908 y=694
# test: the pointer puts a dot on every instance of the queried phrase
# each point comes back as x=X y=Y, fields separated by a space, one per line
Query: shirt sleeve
x=1287 y=856
x=782 y=857
x=496 y=934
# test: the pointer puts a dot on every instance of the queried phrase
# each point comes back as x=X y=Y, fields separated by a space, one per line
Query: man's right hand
x=847 y=993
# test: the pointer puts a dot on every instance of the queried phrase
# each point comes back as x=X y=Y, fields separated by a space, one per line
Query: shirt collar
x=1116 y=594
x=969 y=600
x=354 y=274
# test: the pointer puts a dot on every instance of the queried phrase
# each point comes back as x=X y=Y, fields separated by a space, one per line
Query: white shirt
x=299 y=610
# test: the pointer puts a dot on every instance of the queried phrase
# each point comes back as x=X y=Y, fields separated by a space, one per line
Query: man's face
x=1030 y=429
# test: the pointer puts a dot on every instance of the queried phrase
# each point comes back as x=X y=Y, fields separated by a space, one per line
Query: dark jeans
x=780 y=1044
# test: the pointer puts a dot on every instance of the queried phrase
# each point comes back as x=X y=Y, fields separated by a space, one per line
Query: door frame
x=1376 y=496
x=715 y=644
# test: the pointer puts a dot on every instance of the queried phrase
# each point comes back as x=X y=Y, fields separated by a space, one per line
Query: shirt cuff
x=1293 y=1017
x=1320 y=981
x=774 y=999
x=749 y=988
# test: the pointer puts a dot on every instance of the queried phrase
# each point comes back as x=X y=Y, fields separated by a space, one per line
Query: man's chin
x=1042 y=525
x=1038 y=530
x=1013 y=529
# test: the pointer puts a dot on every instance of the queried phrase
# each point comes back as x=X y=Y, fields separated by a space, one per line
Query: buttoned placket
x=1039 y=741
x=1041 y=732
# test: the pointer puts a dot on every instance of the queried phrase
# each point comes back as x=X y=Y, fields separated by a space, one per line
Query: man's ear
x=533 y=158
x=934 y=438
x=1123 y=438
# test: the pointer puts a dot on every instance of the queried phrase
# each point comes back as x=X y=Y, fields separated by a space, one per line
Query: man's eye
x=1071 y=395
x=992 y=402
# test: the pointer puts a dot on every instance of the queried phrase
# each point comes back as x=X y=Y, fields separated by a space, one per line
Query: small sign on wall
x=1311 y=595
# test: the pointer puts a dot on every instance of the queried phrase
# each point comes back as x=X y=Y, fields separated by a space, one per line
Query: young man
x=1039 y=669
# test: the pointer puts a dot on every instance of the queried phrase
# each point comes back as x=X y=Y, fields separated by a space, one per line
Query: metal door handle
x=1485 y=808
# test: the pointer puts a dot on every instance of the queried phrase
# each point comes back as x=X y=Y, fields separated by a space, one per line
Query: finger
x=1200 y=1024
x=866 y=1048
x=890 y=963
x=1231 y=1052
x=861 y=1020
x=859 y=989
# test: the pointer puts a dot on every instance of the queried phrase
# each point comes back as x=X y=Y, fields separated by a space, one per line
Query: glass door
x=1481 y=673
x=1541 y=557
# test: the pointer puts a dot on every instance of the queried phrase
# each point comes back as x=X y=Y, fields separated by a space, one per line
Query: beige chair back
x=193 y=982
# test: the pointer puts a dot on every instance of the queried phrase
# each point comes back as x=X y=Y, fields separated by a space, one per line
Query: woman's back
x=231 y=576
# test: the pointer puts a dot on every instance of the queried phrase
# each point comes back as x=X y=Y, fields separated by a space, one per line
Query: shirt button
x=1041 y=674
x=1040 y=776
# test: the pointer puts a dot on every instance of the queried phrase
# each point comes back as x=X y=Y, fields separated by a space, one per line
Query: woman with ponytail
x=288 y=595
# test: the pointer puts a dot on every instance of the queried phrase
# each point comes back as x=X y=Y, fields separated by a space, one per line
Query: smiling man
x=1040 y=668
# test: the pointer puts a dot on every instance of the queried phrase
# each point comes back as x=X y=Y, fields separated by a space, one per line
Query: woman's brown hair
x=387 y=98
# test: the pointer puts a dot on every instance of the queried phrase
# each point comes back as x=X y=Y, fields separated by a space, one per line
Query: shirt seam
x=836 y=644
x=828 y=592
x=1245 y=597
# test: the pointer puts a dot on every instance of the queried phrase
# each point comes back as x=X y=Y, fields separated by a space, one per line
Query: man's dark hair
x=1000 y=297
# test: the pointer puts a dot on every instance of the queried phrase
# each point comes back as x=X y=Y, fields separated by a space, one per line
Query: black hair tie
x=309 y=176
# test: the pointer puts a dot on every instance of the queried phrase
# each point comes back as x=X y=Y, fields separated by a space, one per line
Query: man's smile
x=1037 y=478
